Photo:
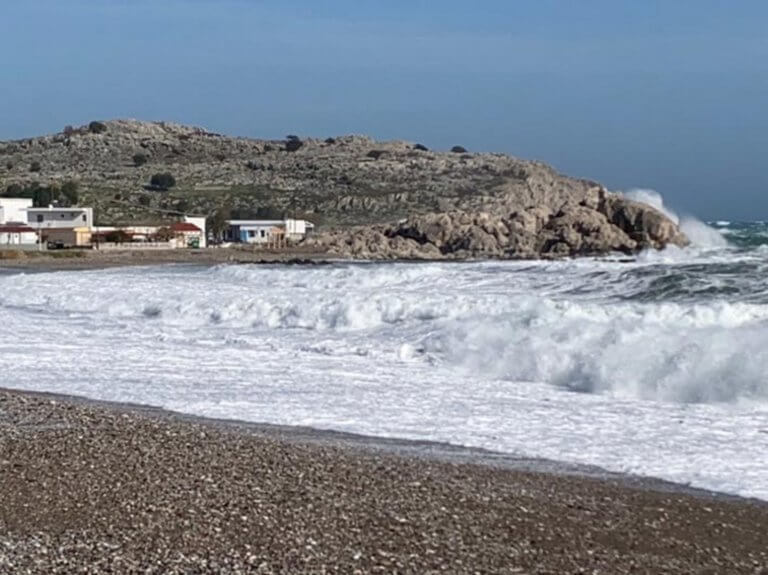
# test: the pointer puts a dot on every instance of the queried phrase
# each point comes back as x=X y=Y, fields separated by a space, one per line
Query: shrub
x=117 y=237
x=140 y=159
x=144 y=200
x=14 y=191
x=221 y=156
x=375 y=154
x=292 y=143
x=97 y=127
x=68 y=130
x=269 y=212
x=163 y=181
x=330 y=141
x=421 y=147
x=459 y=150
x=35 y=166
x=164 y=234
x=9 y=166
x=269 y=148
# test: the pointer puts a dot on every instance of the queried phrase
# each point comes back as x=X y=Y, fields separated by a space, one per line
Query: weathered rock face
x=611 y=223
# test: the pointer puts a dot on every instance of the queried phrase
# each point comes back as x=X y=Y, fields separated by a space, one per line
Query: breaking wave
x=700 y=234
x=691 y=331
x=669 y=352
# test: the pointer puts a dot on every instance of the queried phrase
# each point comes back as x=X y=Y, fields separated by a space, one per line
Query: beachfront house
x=267 y=232
x=200 y=222
x=64 y=227
x=59 y=218
x=187 y=235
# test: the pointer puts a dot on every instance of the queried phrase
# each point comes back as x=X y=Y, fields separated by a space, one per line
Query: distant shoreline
x=95 y=259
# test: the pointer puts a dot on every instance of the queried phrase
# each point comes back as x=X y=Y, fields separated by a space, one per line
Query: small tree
x=41 y=197
x=421 y=148
x=292 y=143
x=14 y=191
x=163 y=181
x=97 y=127
x=164 y=234
x=35 y=166
x=140 y=159
x=70 y=193
x=217 y=222
x=459 y=150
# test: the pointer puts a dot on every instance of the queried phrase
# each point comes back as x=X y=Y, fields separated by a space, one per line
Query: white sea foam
x=637 y=367
x=700 y=234
x=651 y=198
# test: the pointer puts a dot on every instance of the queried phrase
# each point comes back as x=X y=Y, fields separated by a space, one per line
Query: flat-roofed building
x=51 y=217
x=267 y=232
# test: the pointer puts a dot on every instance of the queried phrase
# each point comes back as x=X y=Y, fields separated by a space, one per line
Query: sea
x=654 y=365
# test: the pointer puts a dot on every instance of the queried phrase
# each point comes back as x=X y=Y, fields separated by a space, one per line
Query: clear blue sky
x=666 y=94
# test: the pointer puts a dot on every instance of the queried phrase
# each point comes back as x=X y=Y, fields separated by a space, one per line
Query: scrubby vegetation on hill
x=335 y=181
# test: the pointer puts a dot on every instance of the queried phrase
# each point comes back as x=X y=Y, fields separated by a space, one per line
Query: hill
x=337 y=182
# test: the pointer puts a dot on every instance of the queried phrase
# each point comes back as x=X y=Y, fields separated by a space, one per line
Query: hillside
x=346 y=180
x=337 y=182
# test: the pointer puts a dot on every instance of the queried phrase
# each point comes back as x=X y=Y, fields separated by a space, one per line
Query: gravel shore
x=92 y=488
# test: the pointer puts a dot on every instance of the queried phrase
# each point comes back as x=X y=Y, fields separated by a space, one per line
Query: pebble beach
x=103 y=488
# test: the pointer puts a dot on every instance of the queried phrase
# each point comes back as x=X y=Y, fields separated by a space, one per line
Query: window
x=262 y=233
x=39 y=218
x=251 y=233
x=85 y=219
x=62 y=215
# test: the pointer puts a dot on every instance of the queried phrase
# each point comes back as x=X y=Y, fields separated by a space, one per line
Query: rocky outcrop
x=609 y=224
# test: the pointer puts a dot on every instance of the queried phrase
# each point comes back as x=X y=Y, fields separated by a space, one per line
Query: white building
x=57 y=218
x=267 y=231
x=187 y=235
x=14 y=209
x=200 y=223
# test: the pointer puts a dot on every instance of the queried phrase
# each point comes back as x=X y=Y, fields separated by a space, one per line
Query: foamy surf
x=654 y=366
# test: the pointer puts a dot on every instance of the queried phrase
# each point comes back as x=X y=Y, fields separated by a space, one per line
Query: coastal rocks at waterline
x=602 y=222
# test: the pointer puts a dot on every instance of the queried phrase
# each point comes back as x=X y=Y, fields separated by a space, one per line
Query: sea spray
x=700 y=234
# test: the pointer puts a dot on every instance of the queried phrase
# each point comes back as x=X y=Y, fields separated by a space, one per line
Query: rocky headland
x=368 y=199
